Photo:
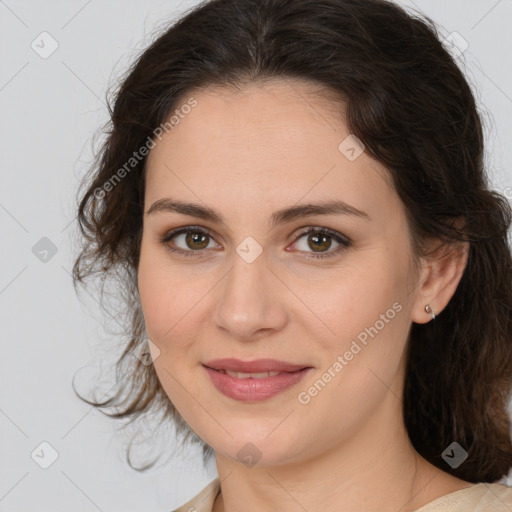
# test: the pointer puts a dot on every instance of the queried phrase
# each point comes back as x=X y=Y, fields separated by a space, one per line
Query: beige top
x=480 y=497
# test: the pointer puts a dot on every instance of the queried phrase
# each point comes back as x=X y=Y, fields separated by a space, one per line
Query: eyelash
x=343 y=241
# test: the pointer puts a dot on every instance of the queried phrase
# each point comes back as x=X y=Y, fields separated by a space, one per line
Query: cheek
x=159 y=287
x=153 y=295
x=173 y=312
x=353 y=299
x=366 y=312
x=159 y=295
x=163 y=305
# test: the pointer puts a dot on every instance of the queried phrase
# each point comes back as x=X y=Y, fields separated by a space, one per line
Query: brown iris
x=193 y=237
x=319 y=236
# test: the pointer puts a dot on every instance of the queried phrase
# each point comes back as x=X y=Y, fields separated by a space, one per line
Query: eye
x=195 y=239
x=321 y=238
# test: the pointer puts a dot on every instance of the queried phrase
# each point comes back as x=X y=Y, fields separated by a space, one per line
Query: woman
x=293 y=195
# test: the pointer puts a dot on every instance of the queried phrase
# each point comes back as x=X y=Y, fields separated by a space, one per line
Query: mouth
x=254 y=381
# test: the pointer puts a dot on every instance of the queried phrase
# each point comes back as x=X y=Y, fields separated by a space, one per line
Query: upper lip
x=254 y=366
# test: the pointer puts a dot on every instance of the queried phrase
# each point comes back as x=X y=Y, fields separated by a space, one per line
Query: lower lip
x=254 y=390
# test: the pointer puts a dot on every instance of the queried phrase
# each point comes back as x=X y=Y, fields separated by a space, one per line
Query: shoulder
x=202 y=502
x=481 y=497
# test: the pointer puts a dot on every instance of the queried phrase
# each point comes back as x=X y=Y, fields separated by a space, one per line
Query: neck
x=374 y=469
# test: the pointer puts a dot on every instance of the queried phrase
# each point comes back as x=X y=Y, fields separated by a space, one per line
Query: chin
x=260 y=450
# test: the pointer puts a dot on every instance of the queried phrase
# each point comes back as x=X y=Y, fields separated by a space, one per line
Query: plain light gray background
x=50 y=108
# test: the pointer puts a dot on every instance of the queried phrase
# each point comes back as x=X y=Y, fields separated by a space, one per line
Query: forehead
x=279 y=141
x=275 y=96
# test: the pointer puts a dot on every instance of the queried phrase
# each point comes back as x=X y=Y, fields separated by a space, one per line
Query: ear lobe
x=440 y=276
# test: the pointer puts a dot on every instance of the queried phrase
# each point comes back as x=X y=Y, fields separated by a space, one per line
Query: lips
x=253 y=367
x=255 y=387
x=254 y=381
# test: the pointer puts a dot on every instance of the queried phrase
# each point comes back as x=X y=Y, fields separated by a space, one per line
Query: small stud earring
x=430 y=311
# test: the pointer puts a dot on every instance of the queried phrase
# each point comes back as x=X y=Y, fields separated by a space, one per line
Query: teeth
x=259 y=375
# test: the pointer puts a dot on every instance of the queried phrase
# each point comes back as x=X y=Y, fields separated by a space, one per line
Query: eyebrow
x=279 y=217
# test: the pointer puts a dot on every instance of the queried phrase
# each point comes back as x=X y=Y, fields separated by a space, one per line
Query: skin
x=248 y=153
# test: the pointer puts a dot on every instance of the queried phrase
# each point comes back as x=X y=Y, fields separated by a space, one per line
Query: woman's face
x=247 y=285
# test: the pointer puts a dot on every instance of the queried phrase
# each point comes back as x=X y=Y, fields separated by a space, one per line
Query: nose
x=250 y=301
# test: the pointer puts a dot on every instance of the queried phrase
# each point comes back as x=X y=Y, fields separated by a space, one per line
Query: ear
x=440 y=275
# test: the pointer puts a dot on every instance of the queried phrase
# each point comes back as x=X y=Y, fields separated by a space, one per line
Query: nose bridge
x=248 y=300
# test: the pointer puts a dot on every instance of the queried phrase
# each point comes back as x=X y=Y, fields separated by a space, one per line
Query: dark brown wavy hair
x=411 y=106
